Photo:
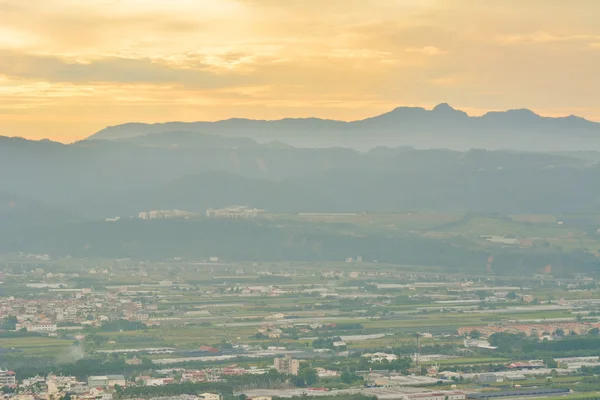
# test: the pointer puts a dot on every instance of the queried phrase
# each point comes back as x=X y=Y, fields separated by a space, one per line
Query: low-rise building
x=455 y=395
x=379 y=357
x=106 y=381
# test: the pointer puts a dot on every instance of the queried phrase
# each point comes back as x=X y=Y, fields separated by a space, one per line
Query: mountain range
x=124 y=170
x=55 y=198
x=440 y=127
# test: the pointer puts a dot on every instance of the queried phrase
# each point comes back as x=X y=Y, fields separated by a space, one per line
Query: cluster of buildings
x=167 y=214
x=80 y=308
x=539 y=330
x=234 y=212
x=231 y=212
x=55 y=387
x=96 y=387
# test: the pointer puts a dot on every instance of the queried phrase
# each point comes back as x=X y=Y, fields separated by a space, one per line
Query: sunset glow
x=71 y=67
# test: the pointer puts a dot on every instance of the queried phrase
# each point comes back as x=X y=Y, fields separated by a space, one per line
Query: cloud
x=428 y=51
x=447 y=81
x=114 y=70
x=545 y=37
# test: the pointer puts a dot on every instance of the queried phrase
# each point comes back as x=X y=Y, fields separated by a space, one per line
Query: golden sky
x=71 y=67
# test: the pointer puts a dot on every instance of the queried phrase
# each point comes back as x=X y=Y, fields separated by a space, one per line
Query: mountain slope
x=19 y=211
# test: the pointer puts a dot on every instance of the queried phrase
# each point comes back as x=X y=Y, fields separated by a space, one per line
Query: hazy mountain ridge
x=441 y=127
x=185 y=170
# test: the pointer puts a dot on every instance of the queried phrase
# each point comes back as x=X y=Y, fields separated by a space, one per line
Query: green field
x=43 y=346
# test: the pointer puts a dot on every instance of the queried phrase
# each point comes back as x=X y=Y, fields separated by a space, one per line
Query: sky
x=69 y=68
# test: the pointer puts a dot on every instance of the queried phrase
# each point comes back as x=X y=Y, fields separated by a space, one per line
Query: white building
x=37 y=327
x=7 y=378
x=379 y=357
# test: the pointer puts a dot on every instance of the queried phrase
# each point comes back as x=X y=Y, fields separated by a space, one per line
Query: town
x=121 y=329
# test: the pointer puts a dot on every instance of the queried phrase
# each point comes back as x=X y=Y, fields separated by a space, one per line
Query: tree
x=508 y=342
x=559 y=332
x=306 y=377
x=482 y=294
x=475 y=334
x=550 y=363
x=349 y=378
x=9 y=323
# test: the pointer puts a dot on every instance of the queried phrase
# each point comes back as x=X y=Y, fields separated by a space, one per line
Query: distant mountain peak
x=523 y=111
x=405 y=108
x=443 y=107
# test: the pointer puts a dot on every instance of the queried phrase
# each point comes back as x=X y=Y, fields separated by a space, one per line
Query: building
x=532 y=364
x=234 y=212
x=209 y=396
x=37 y=327
x=537 y=392
x=106 y=381
x=380 y=357
x=287 y=365
x=326 y=373
x=456 y=395
x=487 y=378
x=7 y=378
x=167 y=214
